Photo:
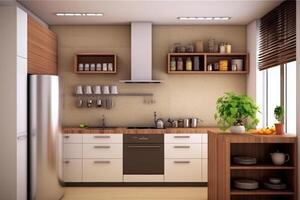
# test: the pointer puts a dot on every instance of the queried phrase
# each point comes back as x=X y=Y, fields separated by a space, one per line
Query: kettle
x=159 y=123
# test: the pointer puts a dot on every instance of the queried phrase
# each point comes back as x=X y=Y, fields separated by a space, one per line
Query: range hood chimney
x=141 y=53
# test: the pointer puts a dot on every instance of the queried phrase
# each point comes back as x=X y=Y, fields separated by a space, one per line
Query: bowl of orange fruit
x=263 y=131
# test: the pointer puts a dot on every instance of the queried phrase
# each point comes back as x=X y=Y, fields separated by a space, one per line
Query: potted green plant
x=279 y=116
x=237 y=112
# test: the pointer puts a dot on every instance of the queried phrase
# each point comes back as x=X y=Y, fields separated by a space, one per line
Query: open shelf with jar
x=207 y=63
x=95 y=63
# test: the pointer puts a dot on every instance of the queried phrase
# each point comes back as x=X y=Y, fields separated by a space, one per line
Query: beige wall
x=180 y=95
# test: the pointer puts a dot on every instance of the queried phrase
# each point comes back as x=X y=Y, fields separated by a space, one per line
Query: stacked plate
x=244 y=160
x=246 y=184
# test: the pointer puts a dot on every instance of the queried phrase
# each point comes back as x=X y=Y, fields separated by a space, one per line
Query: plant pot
x=237 y=129
x=279 y=129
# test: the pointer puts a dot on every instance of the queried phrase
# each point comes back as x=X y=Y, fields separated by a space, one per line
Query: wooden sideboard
x=42 y=48
x=221 y=172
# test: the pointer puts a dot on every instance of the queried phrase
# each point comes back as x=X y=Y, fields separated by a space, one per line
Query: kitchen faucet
x=155 y=117
x=103 y=121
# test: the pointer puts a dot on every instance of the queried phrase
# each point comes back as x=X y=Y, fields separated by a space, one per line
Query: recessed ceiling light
x=204 y=18
x=79 y=14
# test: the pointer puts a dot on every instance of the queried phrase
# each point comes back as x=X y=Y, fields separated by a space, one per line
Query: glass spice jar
x=179 y=64
x=173 y=64
x=190 y=48
x=188 y=64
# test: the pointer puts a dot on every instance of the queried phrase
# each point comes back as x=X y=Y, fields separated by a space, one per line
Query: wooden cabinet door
x=42 y=48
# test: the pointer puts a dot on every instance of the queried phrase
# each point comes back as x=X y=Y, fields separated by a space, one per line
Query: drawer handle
x=182 y=162
x=182 y=147
x=143 y=147
x=143 y=138
x=66 y=136
x=181 y=136
x=102 y=162
x=102 y=136
x=66 y=162
x=101 y=147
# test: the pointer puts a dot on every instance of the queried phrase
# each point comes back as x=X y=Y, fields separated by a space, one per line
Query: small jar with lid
x=173 y=64
x=228 y=48
x=188 y=64
x=190 y=48
x=179 y=64
x=222 y=48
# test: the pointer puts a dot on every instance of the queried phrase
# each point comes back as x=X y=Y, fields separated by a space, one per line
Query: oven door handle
x=144 y=147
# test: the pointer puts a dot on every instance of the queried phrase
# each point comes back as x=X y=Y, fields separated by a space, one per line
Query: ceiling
x=158 y=12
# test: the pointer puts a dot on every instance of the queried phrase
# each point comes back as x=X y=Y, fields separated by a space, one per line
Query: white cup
x=104 y=67
x=93 y=67
x=98 y=67
x=87 y=67
x=114 y=89
x=88 y=89
x=110 y=67
x=105 y=89
x=80 y=67
x=97 y=89
x=79 y=90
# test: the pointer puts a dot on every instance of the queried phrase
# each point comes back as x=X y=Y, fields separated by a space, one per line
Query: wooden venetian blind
x=277 y=36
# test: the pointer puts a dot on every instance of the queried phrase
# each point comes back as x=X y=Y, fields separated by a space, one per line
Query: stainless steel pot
x=194 y=122
x=186 y=123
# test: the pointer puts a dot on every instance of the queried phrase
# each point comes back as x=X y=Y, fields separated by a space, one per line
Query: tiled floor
x=135 y=193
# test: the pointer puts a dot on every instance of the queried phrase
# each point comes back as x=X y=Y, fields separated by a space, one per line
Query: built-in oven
x=143 y=154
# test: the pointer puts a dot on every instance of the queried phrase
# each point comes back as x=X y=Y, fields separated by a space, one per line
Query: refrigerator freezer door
x=45 y=144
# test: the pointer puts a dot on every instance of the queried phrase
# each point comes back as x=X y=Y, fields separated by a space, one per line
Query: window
x=290 y=97
x=279 y=88
x=273 y=93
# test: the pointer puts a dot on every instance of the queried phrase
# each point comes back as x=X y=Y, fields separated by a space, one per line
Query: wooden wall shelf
x=209 y=58
x=95 y=58
x=222 y=147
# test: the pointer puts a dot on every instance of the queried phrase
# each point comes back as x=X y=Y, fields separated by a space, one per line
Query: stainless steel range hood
x=141 y=54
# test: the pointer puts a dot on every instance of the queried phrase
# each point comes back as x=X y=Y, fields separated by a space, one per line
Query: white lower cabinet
x=186 y=157
x=183 y=170
x=99 y=158
x=102 y=170
x=72 y=170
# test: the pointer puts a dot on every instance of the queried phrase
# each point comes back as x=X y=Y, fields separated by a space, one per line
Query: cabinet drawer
x=102 y=170
x=72 y=138
x=102 y=150
x=72 y=150
x=183 y=150
x=204 y=171
x=102 y=138
x=182 y=138
x=183 y=170
x=72 y=170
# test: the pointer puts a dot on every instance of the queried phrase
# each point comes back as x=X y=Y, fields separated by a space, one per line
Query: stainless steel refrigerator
x=45 y=145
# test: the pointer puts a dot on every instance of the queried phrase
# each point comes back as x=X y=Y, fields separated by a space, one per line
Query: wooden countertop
x=249 y=137
x=72 y=130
